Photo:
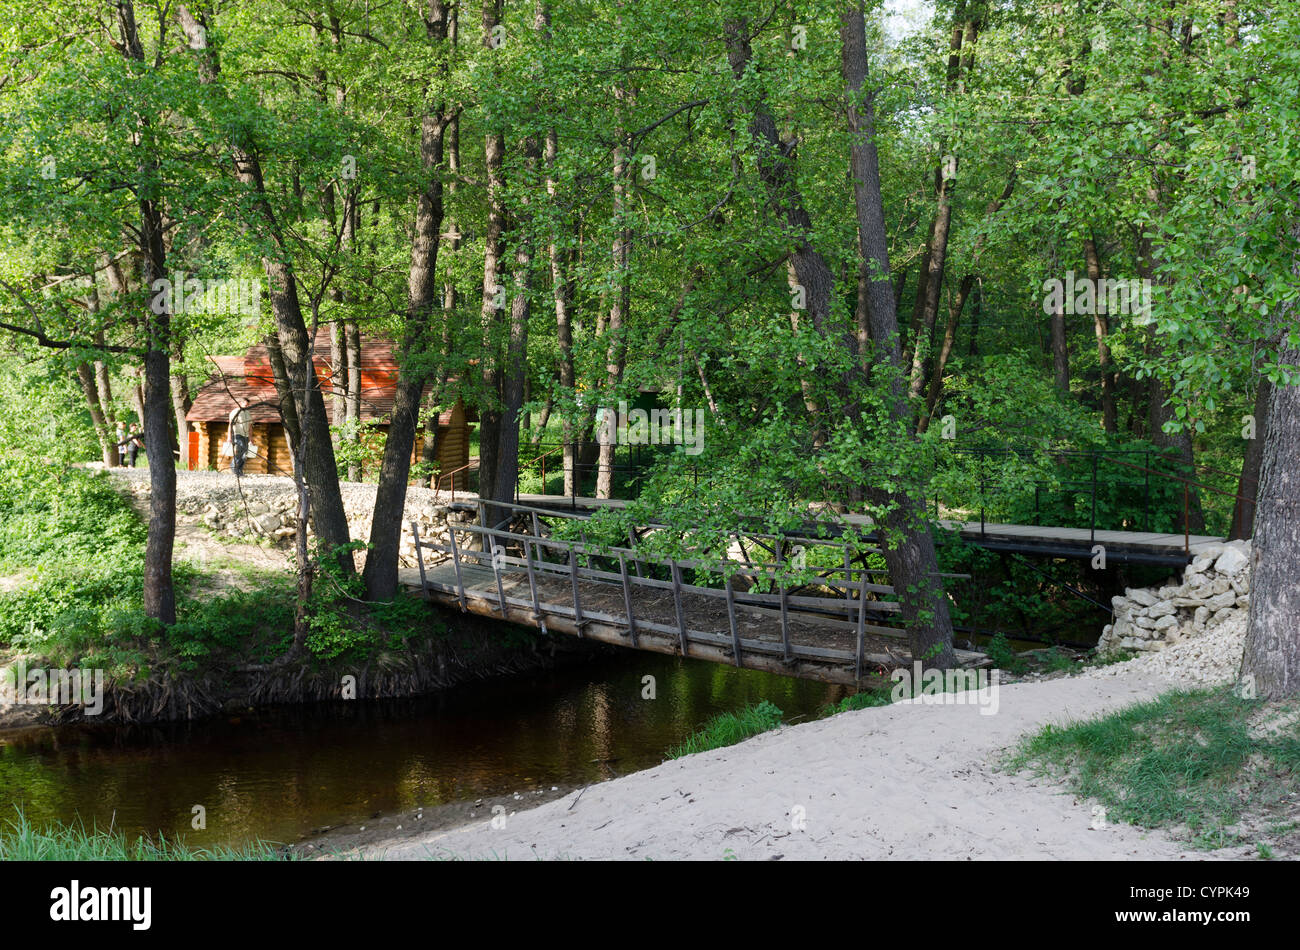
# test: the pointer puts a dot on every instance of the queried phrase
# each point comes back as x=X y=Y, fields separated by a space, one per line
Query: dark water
x=278 y=774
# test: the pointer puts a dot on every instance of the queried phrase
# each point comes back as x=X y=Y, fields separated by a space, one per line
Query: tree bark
x=515 y=370
x=103 y=432
x=490 y=414
x=180 y=395
x=1101 y=328
x=931 y=278
x=159 y=594
x=1060 y=350
x=1243 y=510
x=424 y=299
x=616 y=345
x=352 y=408
x=908 y=546
x=315 y=446
x=1272 y=651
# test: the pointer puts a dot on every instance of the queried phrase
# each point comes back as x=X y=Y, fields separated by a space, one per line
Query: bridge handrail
x=849 y=605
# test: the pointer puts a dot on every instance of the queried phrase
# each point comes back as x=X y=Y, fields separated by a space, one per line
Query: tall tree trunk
x=908 y=546
x=931 y=278
x=322 y=494
x=515 y=371
x=1243 y=510
x=561 y=294
x=490 y=414
x=616 y=345
x=180 y=395
x=945 y=351
x=284 y=393
x=159 y=594
x=1060 y=350
x=424 y=299
x=1272 y=652
x=1102 y=329
x=352 y=416
x=429 y=454
x=103 y=432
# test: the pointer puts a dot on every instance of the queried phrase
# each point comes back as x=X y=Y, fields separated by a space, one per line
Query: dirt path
x=904 y=781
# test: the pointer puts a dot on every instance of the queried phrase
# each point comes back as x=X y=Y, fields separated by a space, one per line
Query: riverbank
x=71 y=588
x=907 y=781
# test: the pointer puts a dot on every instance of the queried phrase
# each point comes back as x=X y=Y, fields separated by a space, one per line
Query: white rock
x=1231 y=561
x=1139 y=596
x=1219 y=601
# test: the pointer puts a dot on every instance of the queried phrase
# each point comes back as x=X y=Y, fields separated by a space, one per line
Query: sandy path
x=906 y=781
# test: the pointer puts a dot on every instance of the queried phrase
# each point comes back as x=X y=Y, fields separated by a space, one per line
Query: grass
x=864 y=700
x=1189 y=761
x=23 y=841
x=729 y=728
x=82 y=547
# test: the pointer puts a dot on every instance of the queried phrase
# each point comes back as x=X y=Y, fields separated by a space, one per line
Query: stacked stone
x=266 y=507
x=1215 y=592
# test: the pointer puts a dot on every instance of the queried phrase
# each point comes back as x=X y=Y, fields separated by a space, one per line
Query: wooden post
x=785 y=606
x=455 y=559
x=677 y=602
x=848 y=569
x=848 y=583
x=532 y=586
x=501 y=593
x=731 y=618
x=573 y=577
x=631 y=541
x=627 y=598
x=862 y=627
x=419 y=559
x=537 y=528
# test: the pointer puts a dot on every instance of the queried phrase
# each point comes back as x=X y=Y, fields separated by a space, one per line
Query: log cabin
x=249 y=377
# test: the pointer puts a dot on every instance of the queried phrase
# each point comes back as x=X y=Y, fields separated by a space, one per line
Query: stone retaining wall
x=263 y=507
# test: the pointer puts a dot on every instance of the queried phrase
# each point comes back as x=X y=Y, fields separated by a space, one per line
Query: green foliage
x=729 y=728
x=1004 y=657
x=867 y=699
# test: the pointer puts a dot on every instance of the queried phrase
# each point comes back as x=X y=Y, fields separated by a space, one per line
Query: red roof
x=249 y=376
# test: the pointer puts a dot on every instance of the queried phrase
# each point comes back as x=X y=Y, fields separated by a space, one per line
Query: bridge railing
x=852 y=606
x=1124 y=489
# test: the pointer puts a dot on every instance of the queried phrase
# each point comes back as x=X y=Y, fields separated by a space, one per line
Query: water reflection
x=278 y=774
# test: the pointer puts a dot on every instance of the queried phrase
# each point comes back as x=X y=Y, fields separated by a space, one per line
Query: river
x=277 y=774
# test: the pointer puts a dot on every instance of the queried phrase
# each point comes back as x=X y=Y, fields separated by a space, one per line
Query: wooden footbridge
x=538 y=568
x=1167 y=549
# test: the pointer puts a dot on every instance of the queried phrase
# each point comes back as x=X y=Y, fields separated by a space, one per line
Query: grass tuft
x=1193 y=760
x=24 y=841
x=729 y=728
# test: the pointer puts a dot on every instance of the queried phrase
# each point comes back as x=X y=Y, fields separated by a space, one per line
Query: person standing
x=240 y=426
x=135 y=445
